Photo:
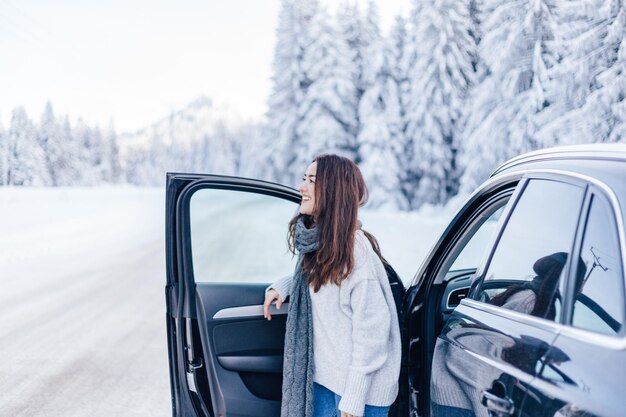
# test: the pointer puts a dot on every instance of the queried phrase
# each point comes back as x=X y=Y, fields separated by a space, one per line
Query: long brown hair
x=339 y=191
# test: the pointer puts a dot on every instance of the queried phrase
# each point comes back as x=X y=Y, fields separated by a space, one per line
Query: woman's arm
x=278 y=292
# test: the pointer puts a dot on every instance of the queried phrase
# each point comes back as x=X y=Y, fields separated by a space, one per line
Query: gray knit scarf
x=298 y=360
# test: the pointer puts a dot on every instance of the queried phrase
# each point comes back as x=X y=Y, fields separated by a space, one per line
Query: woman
x=342 y=341
x=538 y=296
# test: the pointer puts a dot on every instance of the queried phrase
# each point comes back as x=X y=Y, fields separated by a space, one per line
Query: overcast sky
x=134 y=61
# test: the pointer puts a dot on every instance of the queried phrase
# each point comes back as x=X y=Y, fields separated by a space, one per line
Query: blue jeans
x=326 y=403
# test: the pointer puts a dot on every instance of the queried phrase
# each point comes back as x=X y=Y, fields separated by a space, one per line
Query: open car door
x=226 y=240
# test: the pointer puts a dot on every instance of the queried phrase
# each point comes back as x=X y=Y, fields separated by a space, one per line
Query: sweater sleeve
x=523 y=301
x=371 y=325
x=282 y=286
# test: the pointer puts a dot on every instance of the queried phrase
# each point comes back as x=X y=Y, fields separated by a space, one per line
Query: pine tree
x=291 y=83
x=111 y=170
x=26 y=160
x=68 y=168
x=363 y=38
x=327 y=112
x=98 y=156
x=81 y=135
x=3 y=155
x=248 y=163
x=517 y=49
x=439 y=82
x=381 y=136
x=51 y=140
x=589 y=82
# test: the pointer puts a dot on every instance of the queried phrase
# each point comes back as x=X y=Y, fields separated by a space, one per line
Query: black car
x=533 y=326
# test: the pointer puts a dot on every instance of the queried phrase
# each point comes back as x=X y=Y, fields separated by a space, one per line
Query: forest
x=427 y=110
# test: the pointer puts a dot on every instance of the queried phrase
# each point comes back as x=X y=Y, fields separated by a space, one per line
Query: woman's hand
x=344 y=414
x=270 y=296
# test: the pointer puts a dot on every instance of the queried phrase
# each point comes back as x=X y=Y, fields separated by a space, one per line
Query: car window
x=598 y=289
x=526 y=267
x=240 y=236
x=472 y=253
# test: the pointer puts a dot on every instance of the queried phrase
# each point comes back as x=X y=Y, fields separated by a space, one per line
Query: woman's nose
x=302 y=186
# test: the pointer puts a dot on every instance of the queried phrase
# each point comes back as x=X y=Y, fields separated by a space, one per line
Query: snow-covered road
x=82 y=312
x=82 y=317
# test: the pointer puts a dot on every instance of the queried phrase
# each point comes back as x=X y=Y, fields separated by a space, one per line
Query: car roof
x=573 y=153
x=604 y=162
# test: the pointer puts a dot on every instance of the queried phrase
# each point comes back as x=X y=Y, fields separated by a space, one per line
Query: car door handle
x=497 y=406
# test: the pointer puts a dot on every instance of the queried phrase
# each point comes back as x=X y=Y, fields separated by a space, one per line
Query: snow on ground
x=82 y=272
x=81 y=306
x=405 y=238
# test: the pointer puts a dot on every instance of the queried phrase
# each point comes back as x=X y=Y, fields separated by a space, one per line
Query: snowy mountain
x=201 y=137
x=182 y=128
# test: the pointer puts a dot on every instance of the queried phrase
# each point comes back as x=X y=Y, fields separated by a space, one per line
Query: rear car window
x=599 y=281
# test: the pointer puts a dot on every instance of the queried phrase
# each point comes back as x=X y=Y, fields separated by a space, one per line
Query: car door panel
x=244 y=351
x=490 y=350
x=225 y=357
x=482 y=351
x=570 y=386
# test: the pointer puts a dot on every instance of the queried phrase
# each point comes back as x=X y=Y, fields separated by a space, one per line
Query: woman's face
x=307 y=190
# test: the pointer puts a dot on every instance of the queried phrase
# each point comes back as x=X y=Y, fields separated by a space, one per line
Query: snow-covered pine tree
x=476 y=17
x=328 y=110
x=350 y=25
x=26 y=161
x=618 y=104
x=410 y=170
x=68 y=168
x=51 y=140
x=613 y=81
x=517 y=48
x=290 y=86
x=3 y=154
x=99 y=159
x=589 y=83
x=363 y=37
x=247 y=165
x=439 y=82
x=381 y=137
x=158 y=159
x=81 y=135
x=111 y=170
x=137 y=168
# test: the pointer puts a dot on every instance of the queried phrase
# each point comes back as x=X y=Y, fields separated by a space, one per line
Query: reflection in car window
x=525 y=270
x=599 y=293
x=240 y=236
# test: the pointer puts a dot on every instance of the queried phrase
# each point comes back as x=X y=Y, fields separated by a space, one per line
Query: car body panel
x=481 y=348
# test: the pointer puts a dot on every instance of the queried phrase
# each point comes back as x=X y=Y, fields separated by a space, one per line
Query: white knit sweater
x=356 y=337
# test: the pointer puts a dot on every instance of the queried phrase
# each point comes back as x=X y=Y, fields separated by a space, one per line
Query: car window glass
x=240 y=236
x=525 y=269
x=473 y=252
x=598 y=289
